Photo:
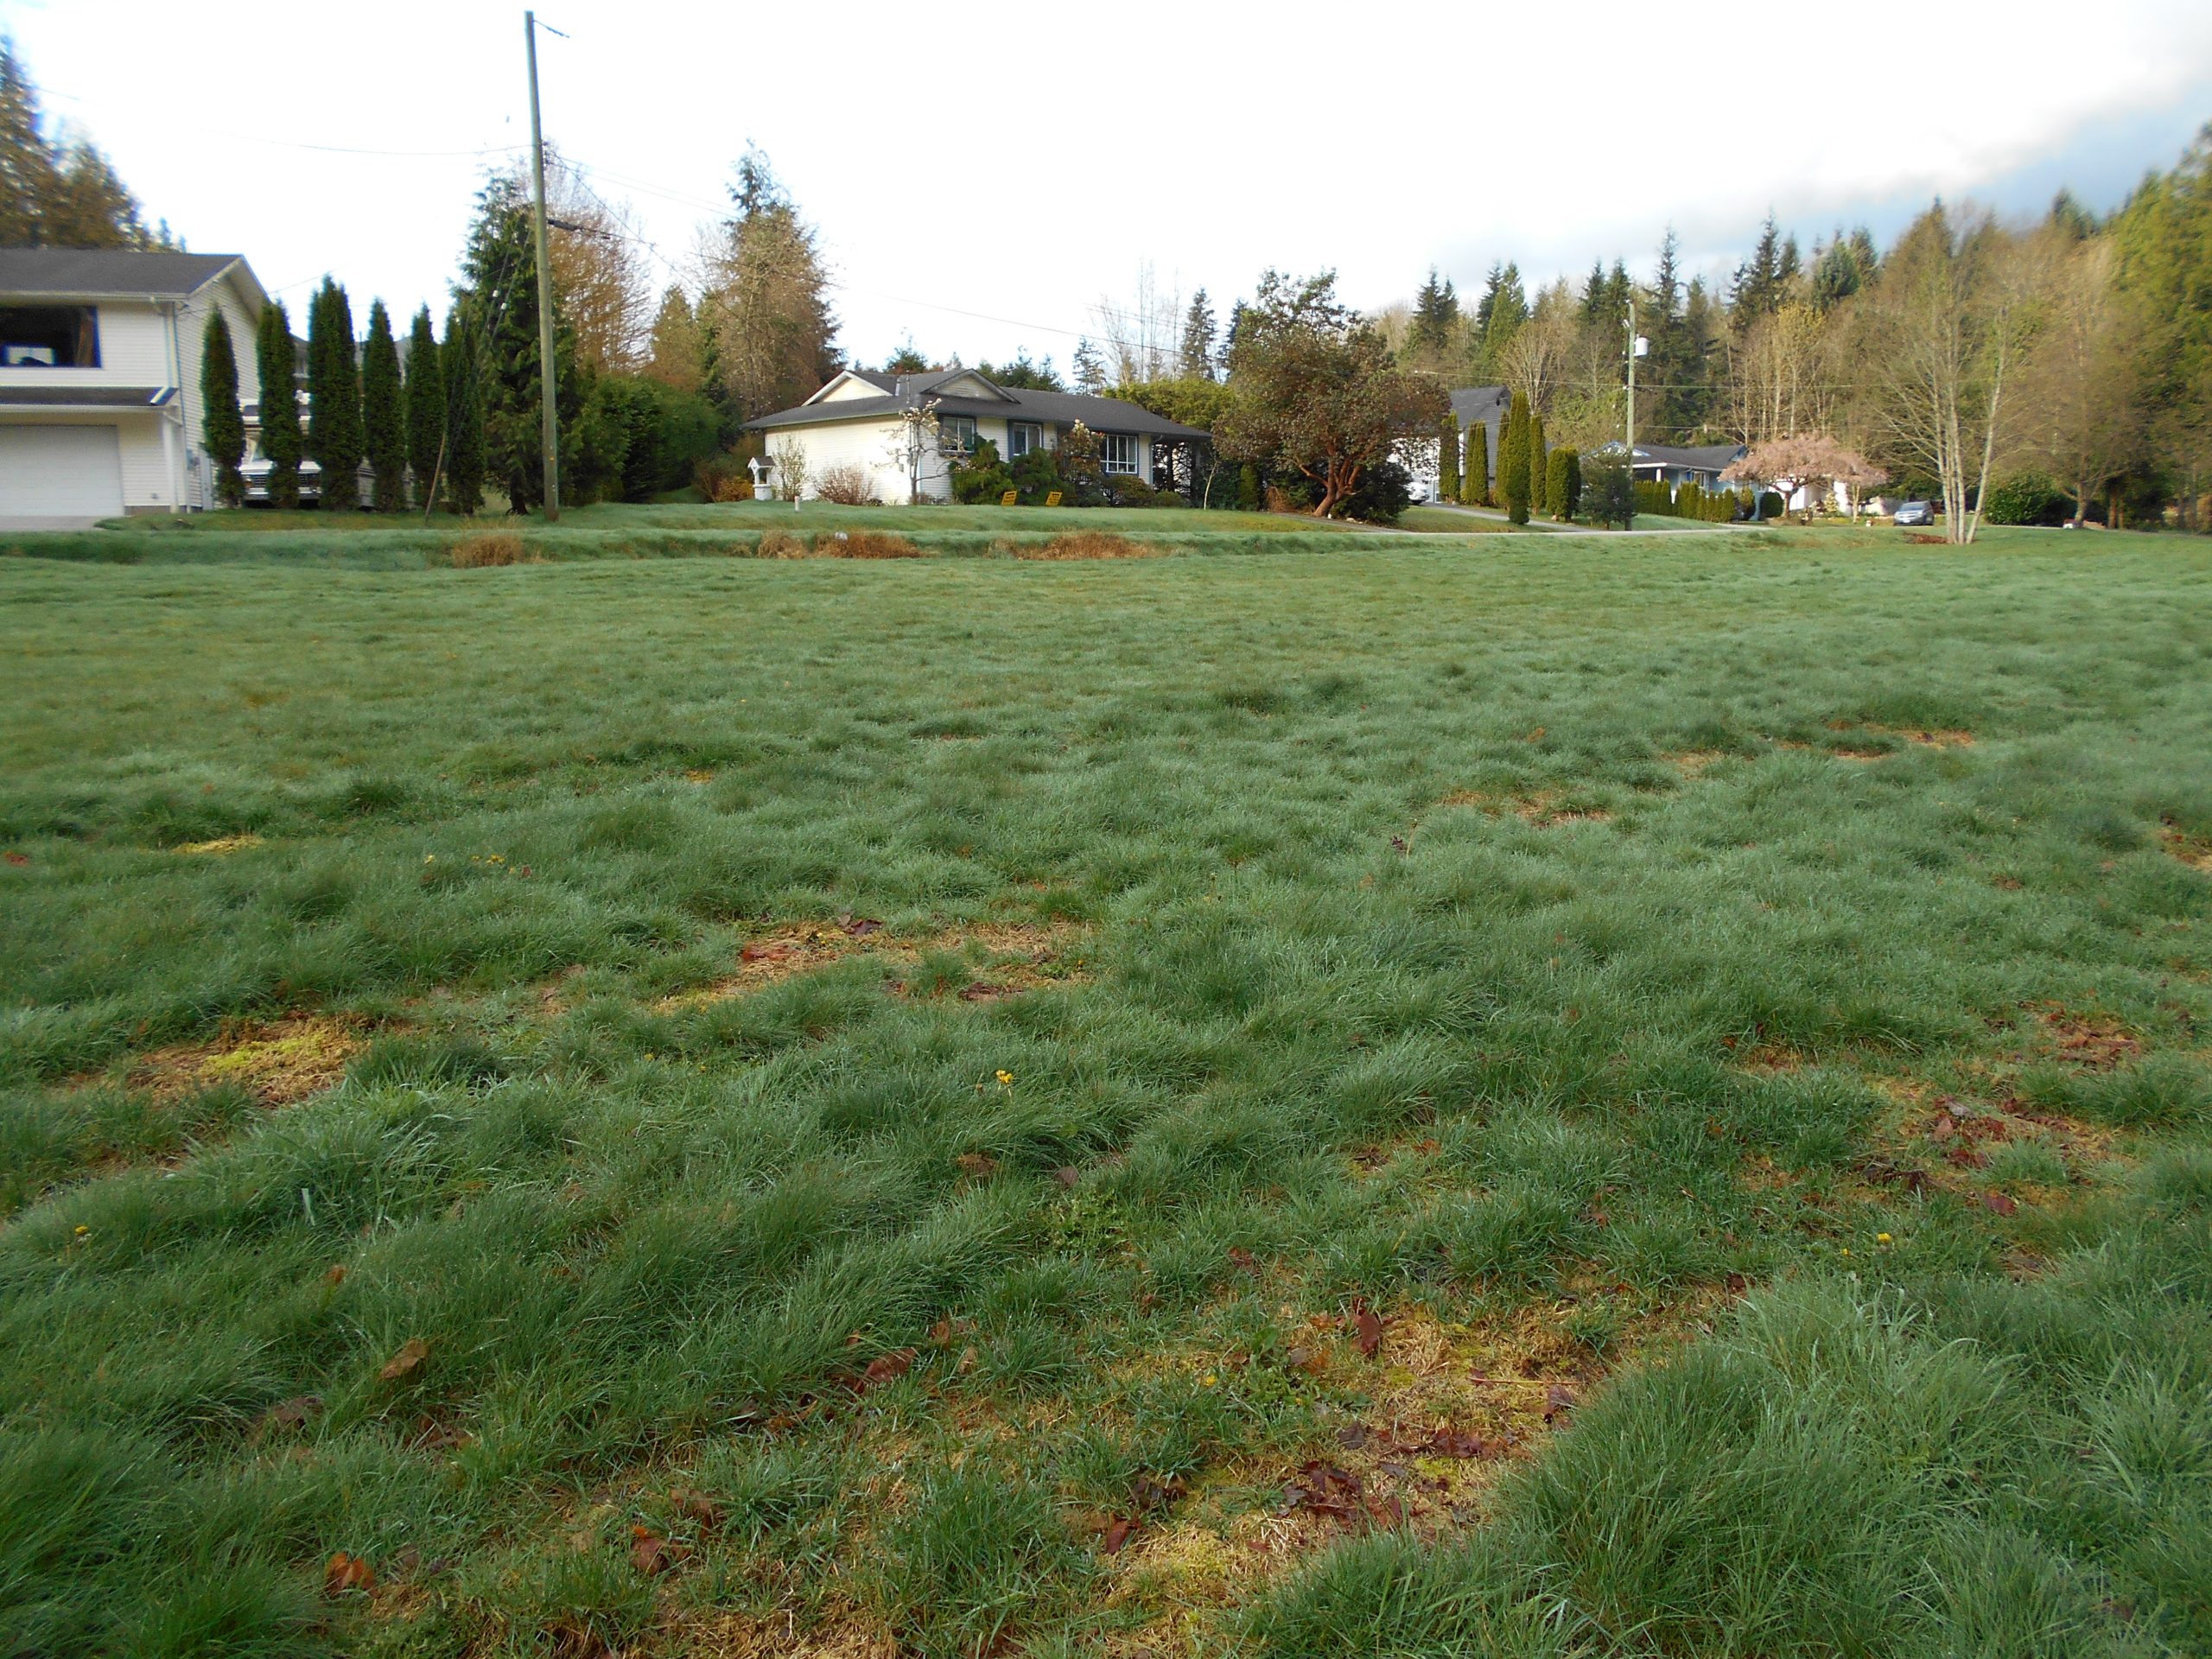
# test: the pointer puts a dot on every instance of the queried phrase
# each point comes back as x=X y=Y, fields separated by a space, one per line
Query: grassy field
x=1390 y=1096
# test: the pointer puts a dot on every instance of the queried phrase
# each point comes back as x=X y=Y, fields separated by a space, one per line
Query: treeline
x=56 y=191
x=2024 y=372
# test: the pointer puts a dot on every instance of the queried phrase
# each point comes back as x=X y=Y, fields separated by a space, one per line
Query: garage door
x=60 y=472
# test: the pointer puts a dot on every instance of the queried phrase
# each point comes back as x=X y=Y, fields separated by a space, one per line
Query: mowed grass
x=1415 y=1099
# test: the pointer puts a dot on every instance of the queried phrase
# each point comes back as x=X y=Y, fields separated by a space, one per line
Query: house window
x=1021 y=438
x=1117 y=452
x=959 y=432
x=50 y=337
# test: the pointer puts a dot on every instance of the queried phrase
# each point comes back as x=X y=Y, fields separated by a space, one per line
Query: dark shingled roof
x=1485 y=404
x=1705 y=458
x=63 y=273
x=84 y=397
x=1052 y=408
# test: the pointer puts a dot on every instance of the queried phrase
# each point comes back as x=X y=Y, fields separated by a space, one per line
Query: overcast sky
x=982 y=176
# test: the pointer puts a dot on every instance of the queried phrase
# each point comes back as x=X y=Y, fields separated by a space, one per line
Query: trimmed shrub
x=1770 y=506
x=722 y=477
x=979 y=479
x=1447 y=460
x=2026 y=499
x=1474 y=471
x=1563 y=483
x=1540 y=466
x=1247 y=487
x=1513 y=460
x=1653 y=497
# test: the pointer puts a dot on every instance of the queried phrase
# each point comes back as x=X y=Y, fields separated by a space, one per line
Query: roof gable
x=111 y=273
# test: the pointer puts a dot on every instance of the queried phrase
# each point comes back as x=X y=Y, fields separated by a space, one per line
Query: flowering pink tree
x=1809 y=461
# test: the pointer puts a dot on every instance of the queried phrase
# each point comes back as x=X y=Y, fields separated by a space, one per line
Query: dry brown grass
x=279 y=1061
x=2195 y=851
x=490 y=547
x=836 y=545
x=1018 y=957
x=2093 y=1041
x=217 y=847
x=1696 y=763
x=1087 y=544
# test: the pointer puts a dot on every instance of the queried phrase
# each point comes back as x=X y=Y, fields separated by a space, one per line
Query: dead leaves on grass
x=280 y=1061
x=1022 y=957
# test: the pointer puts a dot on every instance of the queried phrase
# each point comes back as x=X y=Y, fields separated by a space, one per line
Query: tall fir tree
x=1089 y=368
x=383 y=413
x=1435 y=318
x=1513 y=460
x=1474 y=466
x=276 y=367
x=333 y=399
x=1539 y=462
x=464 y=414
x=426 y=407
x=500 y=275
x=1447 y=460
x=222 y=425
x=1197 y=352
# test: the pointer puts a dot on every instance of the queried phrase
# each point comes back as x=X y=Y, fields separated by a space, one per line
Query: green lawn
x=1383 y=1097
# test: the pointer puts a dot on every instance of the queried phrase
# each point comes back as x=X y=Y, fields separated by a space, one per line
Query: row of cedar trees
x=1530 y=478
x=424 y=423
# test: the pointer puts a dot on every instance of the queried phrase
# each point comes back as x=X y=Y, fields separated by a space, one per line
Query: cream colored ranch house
x=864 y=418
x=99 y=377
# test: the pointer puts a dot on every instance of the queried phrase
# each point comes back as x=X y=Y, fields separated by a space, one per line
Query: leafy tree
x=426 y=406
x=333 y=397
x=979 y=477
x=1539 y=466
x=767 y=297
x=222 y=431
x=2165 y=280
x=1447 y=462
x=279 y=403
x=1316 y=391
x=1083 y=473
x=56 y=193
x=383 y=413
x=673 y=350
x=661 y=433
x=465 y=461
x=1196 y=360
x=1563 y=484
x=1513 y=459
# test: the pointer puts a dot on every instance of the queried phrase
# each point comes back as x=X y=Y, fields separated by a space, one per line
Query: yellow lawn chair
x=1007 y=499
x=1054 y=500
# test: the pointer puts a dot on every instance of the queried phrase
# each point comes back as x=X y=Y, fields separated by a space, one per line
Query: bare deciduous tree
x=2079 y=413
x=1780 y=375
x=1542 y=350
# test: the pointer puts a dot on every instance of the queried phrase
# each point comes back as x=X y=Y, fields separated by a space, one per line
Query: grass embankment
x=1007 y=1106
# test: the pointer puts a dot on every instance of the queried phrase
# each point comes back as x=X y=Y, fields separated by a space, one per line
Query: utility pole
x=1631 y=385
x=546 y=393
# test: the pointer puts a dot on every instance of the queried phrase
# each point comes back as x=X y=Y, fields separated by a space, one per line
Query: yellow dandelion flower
x=1211 y=1379
x=82 y=1229
x=1883 y=1238
x=1006 y=1076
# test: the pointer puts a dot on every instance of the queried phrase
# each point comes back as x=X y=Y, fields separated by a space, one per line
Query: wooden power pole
x=548 y=417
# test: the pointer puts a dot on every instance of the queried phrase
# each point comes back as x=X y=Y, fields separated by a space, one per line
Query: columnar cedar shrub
x=1539 y=466
x=1653 y=496
x=1513 y=460
x=1563 y=483
x=384 y=418
x=222 y=432
x=280 y=407
x=333 y=397
x=1474 y=472
x=1247 y=487
x=1447 y=459
x=426 y=405
x=464 y=414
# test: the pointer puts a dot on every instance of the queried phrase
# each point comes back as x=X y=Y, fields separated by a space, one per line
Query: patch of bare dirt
x=1548 y=809
x=279 y=1061
x=744 y=1635
x=1696 y=763
x=1018 y=957
x=2196 y=851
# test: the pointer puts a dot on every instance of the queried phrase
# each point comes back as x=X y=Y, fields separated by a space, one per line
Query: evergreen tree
x=1539 y=466
x=1513 y=459
x=1198 y=352
x=1756 y=290
x=1594 y=294
x=1230 y=336
x=1505 y=308
x=457 y=358
x=222 y=431
x=1836 y=274
x=333 y=399
x=279 y=403
x=1617 y=294
x=1089 y=369
x=499 y=274
x=1436 y=315
x=1474 y=468
x=57 y=191
x=383 y=413
x=1447 y=460
x=426 y=406
x=1563 y=486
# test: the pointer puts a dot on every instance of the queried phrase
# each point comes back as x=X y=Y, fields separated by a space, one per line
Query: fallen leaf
x=1243 y=1260
x=290 y=1413
x=861 y=927
x=886 y=1368
x=1116 y=1536
x=411 y=1354
x=650 y=1553
x=697 y=1507
x=431 y=1435
x=1370 y=1330
x=764 y=950
x=1324 y=1489
x=1312 y=1360
x=1352 y=1436
x=966 y=1362
x=1459 y=1444
x=335 y=1277
x=346 y=1572
x=1067 y=1175
x=1398 y=844
x=980 y=991
x=1150 y=1493
x=1942 y=1128
x=976 y=1163
x=18 y=859
x=1559 y=1399
x=941 y=1334
x=1998 y=1202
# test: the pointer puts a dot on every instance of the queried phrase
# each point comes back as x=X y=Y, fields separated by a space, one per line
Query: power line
x=293 y=143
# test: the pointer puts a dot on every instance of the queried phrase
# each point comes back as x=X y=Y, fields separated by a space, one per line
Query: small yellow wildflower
x=1883 y=1238
x=1211 y=1379
x=82 y=1229
x=1006 y=1076
x=1847 y=1249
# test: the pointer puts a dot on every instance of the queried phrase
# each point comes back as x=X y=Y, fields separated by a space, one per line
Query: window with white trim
x=1022 y=437
x=1117 y=452
x=959 y=431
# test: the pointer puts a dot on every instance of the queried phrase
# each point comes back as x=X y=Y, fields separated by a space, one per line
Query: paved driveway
x=29 y=521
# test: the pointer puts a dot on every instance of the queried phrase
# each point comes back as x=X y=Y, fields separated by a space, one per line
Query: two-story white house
x=99 y=377
x=861 y=419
